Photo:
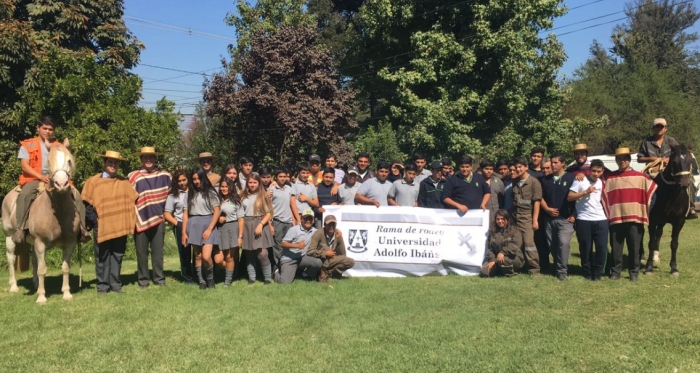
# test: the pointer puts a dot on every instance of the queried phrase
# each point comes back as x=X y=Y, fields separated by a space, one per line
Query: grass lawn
x=431 y=324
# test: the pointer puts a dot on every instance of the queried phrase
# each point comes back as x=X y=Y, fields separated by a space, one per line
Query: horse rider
x=658 y=146
x=34 y=158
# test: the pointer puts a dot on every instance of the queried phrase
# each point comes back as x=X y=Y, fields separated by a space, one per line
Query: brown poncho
x=113 y=200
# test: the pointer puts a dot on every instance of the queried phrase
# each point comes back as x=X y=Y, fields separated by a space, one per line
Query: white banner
x=412 y=241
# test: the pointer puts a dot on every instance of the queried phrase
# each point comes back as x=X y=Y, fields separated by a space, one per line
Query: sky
x=173 y=52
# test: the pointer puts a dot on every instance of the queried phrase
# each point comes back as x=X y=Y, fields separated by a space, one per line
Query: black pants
x=186 y=267
x=153 y=237
x=589 y=233
x=108 y=263
x=542 y=245
x=631 y=233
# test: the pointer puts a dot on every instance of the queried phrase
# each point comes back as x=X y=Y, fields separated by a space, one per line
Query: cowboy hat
x=622 y=151
x=205 y=155
x=147 y=150
x=580 y=147
x=111 y=154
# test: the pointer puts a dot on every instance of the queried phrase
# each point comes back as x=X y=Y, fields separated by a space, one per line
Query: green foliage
x=96 y=109
x=468 y=77
x=381 y=143
x=34 y=31
x=650 y=74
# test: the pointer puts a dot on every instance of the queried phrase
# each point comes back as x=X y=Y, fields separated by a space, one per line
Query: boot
x=18 y=236
x=323 y=278
x=691 y=214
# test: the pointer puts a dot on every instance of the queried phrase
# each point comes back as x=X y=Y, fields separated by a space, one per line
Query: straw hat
x=147 y=150
x=622 y=151
x=112 y=155
x=205 y=155
x=580 y=147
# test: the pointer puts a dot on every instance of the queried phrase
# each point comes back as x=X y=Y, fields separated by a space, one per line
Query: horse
x=53 y=222
x=672 y=204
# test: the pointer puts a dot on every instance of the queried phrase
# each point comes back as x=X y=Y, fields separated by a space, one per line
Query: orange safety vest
x=33 y=146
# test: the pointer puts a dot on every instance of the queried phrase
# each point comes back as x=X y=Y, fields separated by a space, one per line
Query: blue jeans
x=185 y=255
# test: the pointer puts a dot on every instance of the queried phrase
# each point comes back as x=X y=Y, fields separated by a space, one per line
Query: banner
x=412 y=241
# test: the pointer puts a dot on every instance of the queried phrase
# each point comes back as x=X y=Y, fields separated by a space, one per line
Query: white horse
x=53 y=222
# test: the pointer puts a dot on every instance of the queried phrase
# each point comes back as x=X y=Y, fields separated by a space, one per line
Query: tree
x=286 y=100
x=34 y=30
x=650 y=73
x=464 y=77
x=381 y=143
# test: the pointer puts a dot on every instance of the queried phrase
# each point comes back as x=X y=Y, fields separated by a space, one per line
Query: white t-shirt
x=589 y=207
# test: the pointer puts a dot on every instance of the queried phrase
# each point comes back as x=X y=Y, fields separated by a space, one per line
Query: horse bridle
x=677 y=174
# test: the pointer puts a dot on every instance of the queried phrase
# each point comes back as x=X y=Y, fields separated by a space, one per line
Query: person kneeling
x=328 y=245
x=295 y=246
x=504 y=254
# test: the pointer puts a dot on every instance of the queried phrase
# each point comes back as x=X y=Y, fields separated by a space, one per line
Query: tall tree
x=30 y=30
x=286 y=100
x=649 y=73
x=462 y=77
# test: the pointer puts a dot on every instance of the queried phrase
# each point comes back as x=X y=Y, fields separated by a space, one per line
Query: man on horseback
x=658 y=148
x=34 y=158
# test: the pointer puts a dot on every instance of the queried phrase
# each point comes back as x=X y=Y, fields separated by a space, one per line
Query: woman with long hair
x=395 y=172
x=174 y=211
x=231 y=172
x=255 y=236
x=504 y=255
x=201 y=215
x=228 y=227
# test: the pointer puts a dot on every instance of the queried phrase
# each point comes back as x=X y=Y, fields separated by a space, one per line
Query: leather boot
x=323 y=277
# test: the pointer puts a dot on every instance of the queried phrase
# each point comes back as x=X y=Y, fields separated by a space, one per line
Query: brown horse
x=53 y=222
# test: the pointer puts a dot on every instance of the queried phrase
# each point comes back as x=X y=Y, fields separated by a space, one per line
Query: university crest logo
x=465 y=239
x=358 y=240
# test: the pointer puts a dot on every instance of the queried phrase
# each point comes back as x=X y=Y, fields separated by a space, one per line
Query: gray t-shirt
x=229 y=210
x=347 y=193
x=280 y=203
x=200 y=206
x=376 y=190
x=404 y=194
x=176 y=204
x=308 y=189
x=297 y=234
x=247 y=207
x=422 y=176
x=24 y=154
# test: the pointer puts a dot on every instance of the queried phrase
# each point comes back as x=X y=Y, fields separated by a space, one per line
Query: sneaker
x=202 y=286
x=615 y=276
x=102 y=292
x=251 y=282
x=561 y=277
x=633 y=277
x=267 y=282
x=211 y=284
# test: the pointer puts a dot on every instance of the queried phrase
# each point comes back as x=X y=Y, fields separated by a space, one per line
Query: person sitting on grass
x=504 y=248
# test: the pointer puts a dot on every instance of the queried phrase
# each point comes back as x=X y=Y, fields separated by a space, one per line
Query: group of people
x=275 y=217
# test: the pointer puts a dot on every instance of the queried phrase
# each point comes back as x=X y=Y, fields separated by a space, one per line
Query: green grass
x=431 y=324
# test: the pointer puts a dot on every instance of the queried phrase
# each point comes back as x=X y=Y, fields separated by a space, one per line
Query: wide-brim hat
x=111 y=154
x=581 y=147
x=622 y=151
x=147 y=150
x=205 y=155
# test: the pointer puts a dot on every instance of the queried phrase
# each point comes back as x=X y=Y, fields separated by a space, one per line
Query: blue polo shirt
x=466 y=192
x=555 y=190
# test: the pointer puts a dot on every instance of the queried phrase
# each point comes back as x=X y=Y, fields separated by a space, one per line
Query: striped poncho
x=627 y=197
x=112 y=199
x=153 y=191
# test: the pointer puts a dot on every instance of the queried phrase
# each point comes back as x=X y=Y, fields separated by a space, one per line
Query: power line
x=169 y=90
x=182 y=30
x=586 y=4
x=167 y=82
